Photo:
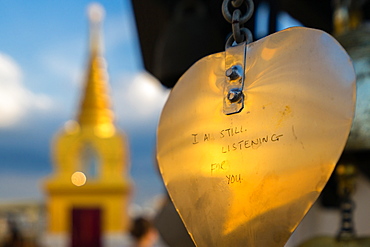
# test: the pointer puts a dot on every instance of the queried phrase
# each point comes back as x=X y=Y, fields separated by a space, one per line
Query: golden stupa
x=87 y=195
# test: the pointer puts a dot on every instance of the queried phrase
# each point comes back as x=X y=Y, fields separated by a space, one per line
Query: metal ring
x=236 y=26
x=244 y=18
x=237 y=3
x=247 y=35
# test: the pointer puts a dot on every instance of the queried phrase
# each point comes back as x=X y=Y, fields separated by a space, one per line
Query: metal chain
x=347 y=230
x=346 y=174
x=248 y=14
x=237 y=20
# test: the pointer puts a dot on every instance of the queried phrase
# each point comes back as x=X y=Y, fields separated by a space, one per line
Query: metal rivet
x=234 y=73
x=234 y=95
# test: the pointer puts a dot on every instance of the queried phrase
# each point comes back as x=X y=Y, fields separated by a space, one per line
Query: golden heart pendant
x=248 y=179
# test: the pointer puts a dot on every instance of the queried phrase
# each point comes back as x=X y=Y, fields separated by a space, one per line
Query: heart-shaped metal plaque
x=247 y=179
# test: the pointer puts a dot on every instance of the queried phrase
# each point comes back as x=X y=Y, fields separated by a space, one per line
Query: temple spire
x=95 y=105
x=91 y=161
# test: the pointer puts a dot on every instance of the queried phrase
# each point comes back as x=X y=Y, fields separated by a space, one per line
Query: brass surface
x=247 y=179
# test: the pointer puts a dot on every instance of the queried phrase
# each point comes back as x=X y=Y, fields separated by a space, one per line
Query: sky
x=43 y=59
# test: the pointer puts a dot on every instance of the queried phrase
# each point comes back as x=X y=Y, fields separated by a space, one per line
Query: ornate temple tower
x=87 y=195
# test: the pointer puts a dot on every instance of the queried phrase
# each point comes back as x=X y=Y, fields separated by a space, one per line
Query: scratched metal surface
x=247 y=179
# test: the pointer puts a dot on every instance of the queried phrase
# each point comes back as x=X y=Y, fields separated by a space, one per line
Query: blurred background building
x=88 y=194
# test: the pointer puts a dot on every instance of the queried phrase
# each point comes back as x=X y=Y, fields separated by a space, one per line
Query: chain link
x=237 y=19
x=244 y=18
x=238 y=37
x=237 y=3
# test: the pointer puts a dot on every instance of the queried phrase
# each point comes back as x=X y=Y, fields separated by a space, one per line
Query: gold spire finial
x=95 y=105
x=96 y=15
x=96 y=12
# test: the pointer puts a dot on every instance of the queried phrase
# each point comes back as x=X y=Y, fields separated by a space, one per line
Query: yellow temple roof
x=95 y=104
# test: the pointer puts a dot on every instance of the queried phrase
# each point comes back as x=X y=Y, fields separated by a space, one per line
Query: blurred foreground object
x=143 y=232
x=171 y=228
x=88 y=193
